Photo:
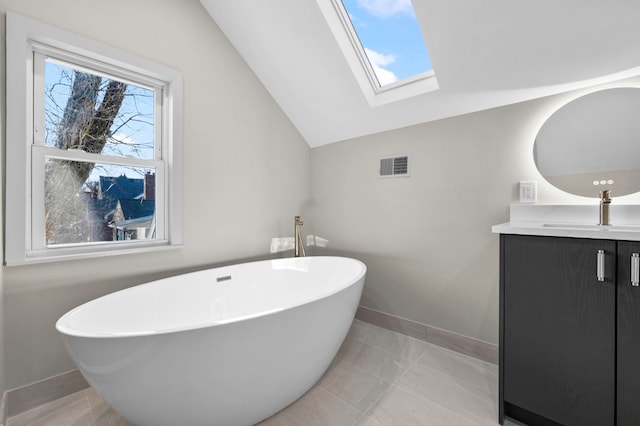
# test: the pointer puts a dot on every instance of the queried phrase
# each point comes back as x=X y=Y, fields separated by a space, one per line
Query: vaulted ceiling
x=484 y=53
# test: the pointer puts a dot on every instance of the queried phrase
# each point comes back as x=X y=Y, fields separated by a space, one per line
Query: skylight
x=390 y=40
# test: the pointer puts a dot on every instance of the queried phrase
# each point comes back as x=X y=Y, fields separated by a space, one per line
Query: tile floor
x=378 y=378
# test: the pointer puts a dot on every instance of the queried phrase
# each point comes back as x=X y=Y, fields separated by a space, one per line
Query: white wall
x=427 y=239
x=246 y=171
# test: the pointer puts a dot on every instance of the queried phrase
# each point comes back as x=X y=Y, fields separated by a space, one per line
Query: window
x=391 y=38
x=93 y=148
x=383 y=45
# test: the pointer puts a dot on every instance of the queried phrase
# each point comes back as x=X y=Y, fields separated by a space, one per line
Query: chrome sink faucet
x=299 y=247
x=605 y=200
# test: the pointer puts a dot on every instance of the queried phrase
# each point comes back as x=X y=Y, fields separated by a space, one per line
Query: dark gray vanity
x=569 y=331
x=569 y=275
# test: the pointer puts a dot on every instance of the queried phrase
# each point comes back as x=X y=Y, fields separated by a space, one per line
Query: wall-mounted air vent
x=394 y=166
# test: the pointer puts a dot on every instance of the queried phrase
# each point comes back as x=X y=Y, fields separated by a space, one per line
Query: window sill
x=78 y=253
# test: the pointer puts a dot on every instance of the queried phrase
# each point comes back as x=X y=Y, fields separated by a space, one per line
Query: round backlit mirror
x=593 y=143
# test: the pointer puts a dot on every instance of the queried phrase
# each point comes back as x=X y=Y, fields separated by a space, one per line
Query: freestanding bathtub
x=224 y=346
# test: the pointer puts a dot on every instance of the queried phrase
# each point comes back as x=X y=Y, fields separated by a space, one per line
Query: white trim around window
x=28 y=42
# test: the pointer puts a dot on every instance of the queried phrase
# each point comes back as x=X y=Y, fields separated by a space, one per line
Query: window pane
x=93 y=202
x=97 y=114
x=391 y=38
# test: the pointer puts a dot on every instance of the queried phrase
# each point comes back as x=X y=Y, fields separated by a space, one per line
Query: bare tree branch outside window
x=98 y=115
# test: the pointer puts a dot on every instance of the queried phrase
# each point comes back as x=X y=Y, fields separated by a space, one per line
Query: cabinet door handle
x=635 y=269
x=600 y=265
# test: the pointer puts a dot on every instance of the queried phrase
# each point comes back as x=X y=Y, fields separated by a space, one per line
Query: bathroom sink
x=594 y=227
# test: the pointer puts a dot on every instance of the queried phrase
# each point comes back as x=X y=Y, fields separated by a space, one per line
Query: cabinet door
x=628 y=354
x=559 y=329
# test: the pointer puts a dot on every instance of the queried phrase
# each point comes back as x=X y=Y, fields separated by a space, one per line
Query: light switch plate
x=528 y=191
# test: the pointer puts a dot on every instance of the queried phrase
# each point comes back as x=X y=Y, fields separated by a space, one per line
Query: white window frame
x=29 y=43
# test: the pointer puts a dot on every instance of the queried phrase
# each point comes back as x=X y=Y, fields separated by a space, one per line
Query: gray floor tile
x=365 y=420
x=393 y=342
x=451 y=393
x=379 y=378
x=316 y=408
x=102 y=414
x=374 y=360
x=474 y=371
x=353 y=385
x=401 y=407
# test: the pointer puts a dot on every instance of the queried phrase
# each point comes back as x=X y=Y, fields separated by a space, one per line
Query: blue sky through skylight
x=389 y=32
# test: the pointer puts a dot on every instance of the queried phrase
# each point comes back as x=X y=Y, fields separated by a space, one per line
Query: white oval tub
x=224 y=346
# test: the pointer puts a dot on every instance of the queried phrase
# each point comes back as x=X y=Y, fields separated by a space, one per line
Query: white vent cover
x=394 y=166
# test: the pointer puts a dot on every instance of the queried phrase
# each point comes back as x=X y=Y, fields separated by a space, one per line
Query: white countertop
x=575 y=221
x=620 y=232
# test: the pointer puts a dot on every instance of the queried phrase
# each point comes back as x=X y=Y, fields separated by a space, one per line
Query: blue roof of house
x=126 y=190
x=120 y=187
x=134 y=209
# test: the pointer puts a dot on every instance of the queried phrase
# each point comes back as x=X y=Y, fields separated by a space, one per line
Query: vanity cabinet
x=569 y=331
x=628 y=336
